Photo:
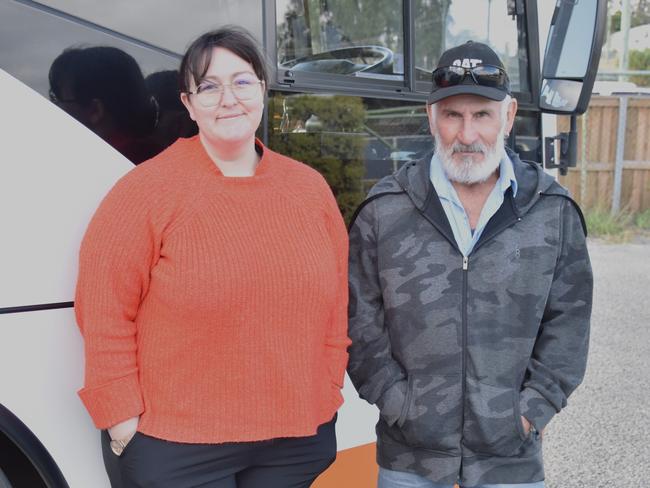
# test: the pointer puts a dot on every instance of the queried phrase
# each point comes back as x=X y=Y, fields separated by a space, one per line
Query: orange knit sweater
x=214 y=307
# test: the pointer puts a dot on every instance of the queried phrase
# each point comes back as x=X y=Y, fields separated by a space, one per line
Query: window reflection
x=526 y=131
x=173 y=120
x=442 y=24
x=400 y=134
x=352 y=141
x=103 y=88
x=572 y=61
x=96 y=78
x=365 y=39
x=347 y=37
x=169 y=24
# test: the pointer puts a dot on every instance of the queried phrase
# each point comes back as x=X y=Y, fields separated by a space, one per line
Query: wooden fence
x=592 y=182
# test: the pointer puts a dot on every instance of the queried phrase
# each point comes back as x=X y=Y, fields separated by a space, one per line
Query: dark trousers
x=292 y=462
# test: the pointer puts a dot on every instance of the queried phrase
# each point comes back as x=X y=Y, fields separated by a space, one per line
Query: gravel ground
x=602 y=439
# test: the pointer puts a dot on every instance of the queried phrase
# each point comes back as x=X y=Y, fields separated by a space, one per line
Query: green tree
x=640 y=60
x=615 y=22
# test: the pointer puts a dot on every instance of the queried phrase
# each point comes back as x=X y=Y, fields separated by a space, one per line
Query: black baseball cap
x=493 y=84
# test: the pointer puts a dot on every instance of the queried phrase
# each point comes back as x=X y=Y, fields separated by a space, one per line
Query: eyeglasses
x=56 y=100
x=209 y=94
x=483 y=74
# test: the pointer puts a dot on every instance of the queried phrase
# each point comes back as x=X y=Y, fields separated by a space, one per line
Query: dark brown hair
x=196 y=61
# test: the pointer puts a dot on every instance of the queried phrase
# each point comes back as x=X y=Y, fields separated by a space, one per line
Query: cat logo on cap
x=467 y=63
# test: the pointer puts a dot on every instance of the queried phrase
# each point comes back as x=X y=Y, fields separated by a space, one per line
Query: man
x=470 y=295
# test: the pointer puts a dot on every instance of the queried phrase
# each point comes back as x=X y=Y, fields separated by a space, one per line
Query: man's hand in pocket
x=527 y=425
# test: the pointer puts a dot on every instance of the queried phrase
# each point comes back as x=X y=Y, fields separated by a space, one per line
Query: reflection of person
x=470 y=295
x=212 y=297
x=173 y=119
x=104 y=89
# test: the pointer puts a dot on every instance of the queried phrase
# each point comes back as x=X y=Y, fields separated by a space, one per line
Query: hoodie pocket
x=432 y=415
x=492 y=420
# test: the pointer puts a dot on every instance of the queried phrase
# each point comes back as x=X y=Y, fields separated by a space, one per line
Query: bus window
x=341 y=37
x=357 y=46
x=442 y=24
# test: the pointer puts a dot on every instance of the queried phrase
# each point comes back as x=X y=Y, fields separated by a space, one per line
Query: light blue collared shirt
x=455 y=211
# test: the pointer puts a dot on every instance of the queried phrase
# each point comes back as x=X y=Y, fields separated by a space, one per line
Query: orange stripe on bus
x=353 y=468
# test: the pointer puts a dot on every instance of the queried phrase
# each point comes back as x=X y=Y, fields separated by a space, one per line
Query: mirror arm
x=568 y=148
x=515 y=8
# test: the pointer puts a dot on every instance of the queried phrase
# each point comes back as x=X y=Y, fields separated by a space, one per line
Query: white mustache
x=476 y=147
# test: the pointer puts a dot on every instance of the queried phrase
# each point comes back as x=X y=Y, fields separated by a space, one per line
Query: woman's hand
x=124 y=430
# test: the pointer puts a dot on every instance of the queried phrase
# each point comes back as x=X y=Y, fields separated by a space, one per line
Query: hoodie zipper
x=464 y=343
x=464 y=320
x=463 y=352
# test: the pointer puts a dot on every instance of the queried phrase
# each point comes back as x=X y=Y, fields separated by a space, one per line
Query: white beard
x=468 y=171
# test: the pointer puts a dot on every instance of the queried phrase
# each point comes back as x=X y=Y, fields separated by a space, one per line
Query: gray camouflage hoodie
x=453 y=350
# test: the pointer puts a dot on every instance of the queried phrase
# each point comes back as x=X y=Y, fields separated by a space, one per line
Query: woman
x=212 y=298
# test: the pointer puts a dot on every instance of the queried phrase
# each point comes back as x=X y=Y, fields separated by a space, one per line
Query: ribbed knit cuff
x=113 y=402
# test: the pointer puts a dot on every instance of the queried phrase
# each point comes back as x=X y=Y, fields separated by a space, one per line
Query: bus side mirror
x=573 y=48
x=572 y=53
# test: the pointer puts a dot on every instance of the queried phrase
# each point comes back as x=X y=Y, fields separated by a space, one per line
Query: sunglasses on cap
x=483 y=74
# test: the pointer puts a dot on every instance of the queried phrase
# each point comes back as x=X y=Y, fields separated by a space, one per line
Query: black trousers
x=292 y=462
